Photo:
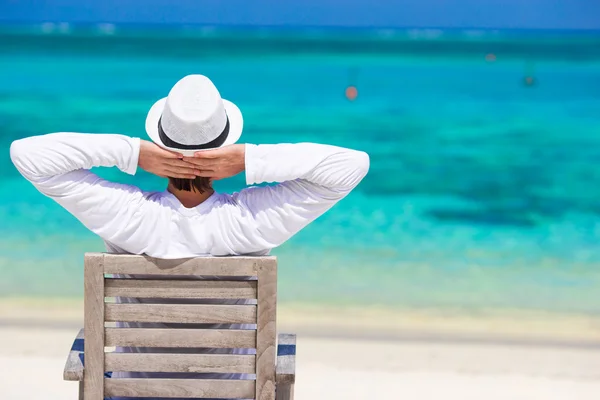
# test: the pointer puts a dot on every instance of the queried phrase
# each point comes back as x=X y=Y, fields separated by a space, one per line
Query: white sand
x=31 y=362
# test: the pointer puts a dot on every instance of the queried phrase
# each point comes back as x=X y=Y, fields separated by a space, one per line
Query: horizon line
x=23 y=23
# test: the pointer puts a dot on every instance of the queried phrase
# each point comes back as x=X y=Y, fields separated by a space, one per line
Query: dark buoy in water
x=351 y=93
x=529 y=81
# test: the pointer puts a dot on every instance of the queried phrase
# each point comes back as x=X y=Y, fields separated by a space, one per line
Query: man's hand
x=220 y=163
x=164 y=163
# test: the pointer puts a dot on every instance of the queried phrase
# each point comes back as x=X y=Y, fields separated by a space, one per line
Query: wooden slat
x=266 y=330
x=181 y=338
x=285 y=391
x=190 y=289
x=285 y=370
x=74 y=366
x=219 y=266
x=182 y=388
x=181 y=313
x=94 y=326
x=200 y=363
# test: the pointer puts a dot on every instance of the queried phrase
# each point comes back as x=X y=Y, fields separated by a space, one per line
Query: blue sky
x=522 y=14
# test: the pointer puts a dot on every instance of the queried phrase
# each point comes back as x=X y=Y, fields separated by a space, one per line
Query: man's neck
x=190 y=199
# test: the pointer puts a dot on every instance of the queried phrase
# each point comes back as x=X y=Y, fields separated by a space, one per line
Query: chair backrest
x=167 y=283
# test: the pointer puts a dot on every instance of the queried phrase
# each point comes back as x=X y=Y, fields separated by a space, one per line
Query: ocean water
x=483 y=191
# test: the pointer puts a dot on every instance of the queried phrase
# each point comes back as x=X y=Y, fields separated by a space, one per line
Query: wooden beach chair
x=91 y=363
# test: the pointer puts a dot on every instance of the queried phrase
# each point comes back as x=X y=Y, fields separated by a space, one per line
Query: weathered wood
x=190 y=289
x=266 y=330
x=160 y=362
x=182 y=388
x=286 y=359
x=218 y=266
x=94 y=326
x=263 y=364
x=181 y=313
x=74 y=366
x=285 y=391
x=181 y=338
x=285 y=372
x=81 y=397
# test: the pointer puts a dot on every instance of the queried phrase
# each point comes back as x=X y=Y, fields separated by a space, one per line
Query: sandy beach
x=377 y=362
x=32 y=360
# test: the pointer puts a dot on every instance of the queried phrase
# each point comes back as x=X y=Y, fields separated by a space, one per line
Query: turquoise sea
x=484 y=192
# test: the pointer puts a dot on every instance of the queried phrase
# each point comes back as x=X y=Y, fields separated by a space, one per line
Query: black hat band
x=218 y=141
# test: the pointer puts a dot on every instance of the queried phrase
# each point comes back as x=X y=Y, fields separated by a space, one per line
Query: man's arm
x=57 y=165
x=41 y=158
x=313 y=177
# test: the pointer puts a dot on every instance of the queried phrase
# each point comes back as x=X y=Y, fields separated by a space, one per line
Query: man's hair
x=200 y=184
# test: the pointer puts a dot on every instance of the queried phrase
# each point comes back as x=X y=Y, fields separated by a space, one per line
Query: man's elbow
x=18 y=149
x=363 y=163
x=357 y=169
x=21 y=156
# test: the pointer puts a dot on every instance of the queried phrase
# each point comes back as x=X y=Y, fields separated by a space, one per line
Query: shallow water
x=483 y=192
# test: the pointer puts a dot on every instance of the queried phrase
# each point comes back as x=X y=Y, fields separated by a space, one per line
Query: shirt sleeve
x=312 y=178
x=57 y=165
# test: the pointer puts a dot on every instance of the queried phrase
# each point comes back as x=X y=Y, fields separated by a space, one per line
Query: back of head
x=199 y=184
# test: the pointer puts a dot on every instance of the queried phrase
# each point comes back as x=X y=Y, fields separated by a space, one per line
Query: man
x=194 y=133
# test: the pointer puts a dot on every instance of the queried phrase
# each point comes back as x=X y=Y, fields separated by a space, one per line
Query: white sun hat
x=194 y=117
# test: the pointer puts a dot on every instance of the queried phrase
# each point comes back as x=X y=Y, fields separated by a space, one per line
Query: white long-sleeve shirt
x=312 y=178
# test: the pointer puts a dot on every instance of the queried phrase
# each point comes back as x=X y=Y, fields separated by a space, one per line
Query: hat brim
x=236 y=125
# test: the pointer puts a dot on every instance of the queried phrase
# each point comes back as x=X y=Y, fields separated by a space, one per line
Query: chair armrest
x=285 y=372
x=74 y=366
